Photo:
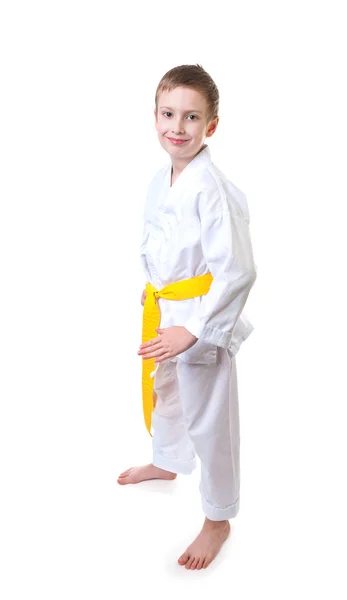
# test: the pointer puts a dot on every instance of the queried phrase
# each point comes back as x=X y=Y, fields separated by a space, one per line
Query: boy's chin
x=176 y=150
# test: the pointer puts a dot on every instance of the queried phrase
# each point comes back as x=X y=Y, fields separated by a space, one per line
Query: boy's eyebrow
x=188 y=111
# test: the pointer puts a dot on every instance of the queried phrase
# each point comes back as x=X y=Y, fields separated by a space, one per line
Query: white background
x=78 y=148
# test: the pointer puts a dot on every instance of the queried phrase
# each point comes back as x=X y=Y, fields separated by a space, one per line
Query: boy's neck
x=179 y=165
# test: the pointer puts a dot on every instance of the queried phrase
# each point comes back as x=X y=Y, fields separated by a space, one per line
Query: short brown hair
x=195 y=77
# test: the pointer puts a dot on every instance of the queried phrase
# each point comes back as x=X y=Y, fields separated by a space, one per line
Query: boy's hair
x=194 y=77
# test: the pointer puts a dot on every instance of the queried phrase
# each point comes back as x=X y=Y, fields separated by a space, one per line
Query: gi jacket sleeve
x=227 y=249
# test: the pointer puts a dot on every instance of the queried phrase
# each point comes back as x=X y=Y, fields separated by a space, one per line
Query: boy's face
x=181 y=122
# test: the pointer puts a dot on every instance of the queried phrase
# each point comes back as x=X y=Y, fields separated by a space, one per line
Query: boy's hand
x=143 y=297
x=170 y=342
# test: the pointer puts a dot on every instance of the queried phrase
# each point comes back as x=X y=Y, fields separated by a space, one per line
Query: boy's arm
x=227 y=248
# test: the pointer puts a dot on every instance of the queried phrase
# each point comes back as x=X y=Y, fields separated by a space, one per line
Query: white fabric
x=198 y=225
x=197 y=412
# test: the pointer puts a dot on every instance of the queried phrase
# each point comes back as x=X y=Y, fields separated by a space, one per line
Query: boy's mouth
x=177 y=142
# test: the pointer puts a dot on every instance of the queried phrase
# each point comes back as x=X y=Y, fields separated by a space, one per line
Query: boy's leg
x=172 y=447
x=209 y=400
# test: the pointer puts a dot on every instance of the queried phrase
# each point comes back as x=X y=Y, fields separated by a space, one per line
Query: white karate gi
x=198 y=225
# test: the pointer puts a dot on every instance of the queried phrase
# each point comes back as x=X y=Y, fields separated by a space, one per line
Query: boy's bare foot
x=206 y=546
x=137 y=474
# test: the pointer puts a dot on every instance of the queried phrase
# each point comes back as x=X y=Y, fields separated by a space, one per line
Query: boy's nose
x=177 y=126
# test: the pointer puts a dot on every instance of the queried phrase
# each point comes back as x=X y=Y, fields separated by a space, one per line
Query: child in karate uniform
x=196 y=229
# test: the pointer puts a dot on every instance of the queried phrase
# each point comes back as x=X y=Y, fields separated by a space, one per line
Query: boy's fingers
x=150 y=350
x=164 y=356
x=151 y=343
x=154 y=354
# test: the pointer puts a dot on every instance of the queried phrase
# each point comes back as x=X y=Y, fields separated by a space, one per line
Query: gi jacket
x=198 y=225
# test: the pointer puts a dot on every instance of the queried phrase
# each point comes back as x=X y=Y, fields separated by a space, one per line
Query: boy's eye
x=168 y=114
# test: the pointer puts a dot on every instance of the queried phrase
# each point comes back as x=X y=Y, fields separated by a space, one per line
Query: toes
x=183 y=559
x=199 y=565
x=123 y=480
x=124 y=474
x=207 y=561
x=190 y=562
x=194 y=563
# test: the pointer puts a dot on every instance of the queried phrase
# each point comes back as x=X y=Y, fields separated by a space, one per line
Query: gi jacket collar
x=200 y=161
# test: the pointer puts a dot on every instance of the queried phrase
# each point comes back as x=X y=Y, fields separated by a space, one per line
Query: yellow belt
x=180 y=290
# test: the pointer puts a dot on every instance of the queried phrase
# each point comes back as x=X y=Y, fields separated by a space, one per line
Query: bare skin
x=206 y=546
x=137 y=474
x=212 y=535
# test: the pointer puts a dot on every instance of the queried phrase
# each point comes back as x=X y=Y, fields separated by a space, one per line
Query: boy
x=195 y=233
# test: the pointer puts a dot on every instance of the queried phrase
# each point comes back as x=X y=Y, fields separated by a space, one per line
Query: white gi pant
x=197 y=413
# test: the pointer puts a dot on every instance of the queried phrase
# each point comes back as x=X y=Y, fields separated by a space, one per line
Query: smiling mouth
x=177 y=141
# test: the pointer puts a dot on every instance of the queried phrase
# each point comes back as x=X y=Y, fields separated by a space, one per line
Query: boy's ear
x=212 y=127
